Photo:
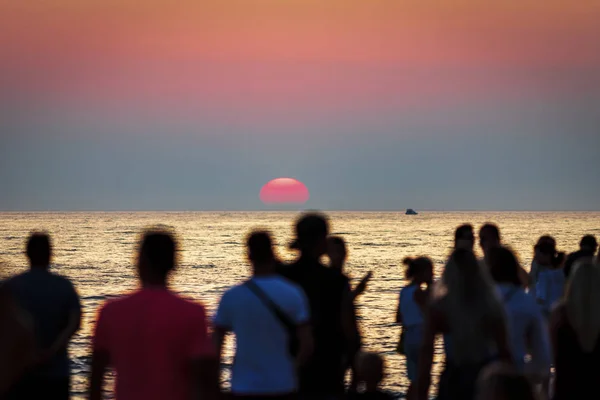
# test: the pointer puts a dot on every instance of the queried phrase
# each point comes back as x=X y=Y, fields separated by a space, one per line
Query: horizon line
x=285 y=210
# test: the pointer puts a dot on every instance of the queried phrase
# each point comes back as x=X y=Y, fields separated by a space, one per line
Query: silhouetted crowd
x=507 y=334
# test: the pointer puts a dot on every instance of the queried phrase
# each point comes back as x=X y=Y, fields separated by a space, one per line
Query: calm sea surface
x=96 y=250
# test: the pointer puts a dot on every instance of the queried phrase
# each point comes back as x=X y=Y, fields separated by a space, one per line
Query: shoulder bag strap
x=270 y=304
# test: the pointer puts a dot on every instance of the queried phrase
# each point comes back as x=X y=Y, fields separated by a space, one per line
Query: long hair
x=472 y=306
x=582 y=302
x=504 y=266
x=417 y=266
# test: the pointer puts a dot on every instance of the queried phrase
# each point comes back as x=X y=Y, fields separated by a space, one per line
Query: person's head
x=489 y=237
x=312 y=230
x=582 y=302
x=370 y=369
x=504 y=266
x=157 y=256
x=337 y=251
x=470 y=304
x=503 y=382
x=589 y=243
x=419 y=270
x=260 y=252
x=464 y=237
x=39 y=250
x=545 y=250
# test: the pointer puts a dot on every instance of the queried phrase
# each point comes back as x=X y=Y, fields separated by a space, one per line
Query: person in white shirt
x=267 y=315
x=527 y=327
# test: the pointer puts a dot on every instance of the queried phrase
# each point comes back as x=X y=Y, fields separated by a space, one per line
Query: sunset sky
x=373 y=104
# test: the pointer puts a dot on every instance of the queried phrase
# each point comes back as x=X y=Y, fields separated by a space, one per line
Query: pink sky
x=308 y=56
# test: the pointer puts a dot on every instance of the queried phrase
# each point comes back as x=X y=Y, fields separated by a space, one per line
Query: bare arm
x=362 y=286
x=62 y=341
x=306 y=343
x=350 y=325
x=398 y=313
x=219 y=338
x=100 y=361
x=430 y=330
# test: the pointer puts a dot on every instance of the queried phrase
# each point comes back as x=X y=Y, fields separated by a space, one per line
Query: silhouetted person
x=550 y=279
x=53 y=304
x=338 y=254
x=411 y=307
x=157 y=342
x=332 y=313
x=266 y=314
x=503 y=382
x=489 y=237
x=464 y=237
x=575 y=332
x=370 y=372
x=467 y=310
x=527 y=327
x=587 y=248
x=544 y=256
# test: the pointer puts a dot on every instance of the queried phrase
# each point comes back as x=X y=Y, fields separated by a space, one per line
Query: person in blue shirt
x=52 y=303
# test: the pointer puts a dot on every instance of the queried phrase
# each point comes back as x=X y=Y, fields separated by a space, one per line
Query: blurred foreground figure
x=270 y=319
x=338 y=254
x=502 y=382
x=157 y=342
x=334 y=325
x=575 y=333
x=472 y=319
x=55 y=311
x=464 y=238
x=490 y=239
x=587 y=248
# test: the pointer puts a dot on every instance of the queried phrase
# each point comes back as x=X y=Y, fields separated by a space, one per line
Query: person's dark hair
x=492 y=228
x=546 y=244
x=310 y=229
x=504 y=266
x=158 y=249
x=588 y=241
x=416 y=266
x=260 y=247
x=39 y=249
x=464 y=231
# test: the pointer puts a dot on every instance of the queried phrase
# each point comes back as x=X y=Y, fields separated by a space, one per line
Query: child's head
x=419 y=270
x=336 y=251
x=370 y=369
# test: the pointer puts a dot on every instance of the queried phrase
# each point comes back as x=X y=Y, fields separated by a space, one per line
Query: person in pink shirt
x=157 y=342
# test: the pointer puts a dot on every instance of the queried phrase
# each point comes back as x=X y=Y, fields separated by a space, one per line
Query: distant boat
x=410 y=211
